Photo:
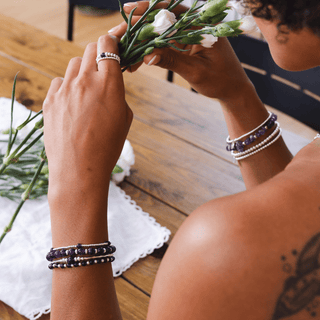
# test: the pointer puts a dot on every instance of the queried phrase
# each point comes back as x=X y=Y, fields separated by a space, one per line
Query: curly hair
x=292 y=15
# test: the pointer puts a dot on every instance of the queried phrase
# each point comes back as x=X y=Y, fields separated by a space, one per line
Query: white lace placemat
x=25 y=280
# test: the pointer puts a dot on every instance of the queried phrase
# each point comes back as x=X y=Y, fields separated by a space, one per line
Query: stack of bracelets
x=237 y=146
x=81 y=255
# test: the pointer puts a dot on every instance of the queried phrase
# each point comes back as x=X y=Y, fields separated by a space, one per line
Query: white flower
x=238 y=7
x=126 y=160
x=163 y=20
x=248 y=25
x=208 y=40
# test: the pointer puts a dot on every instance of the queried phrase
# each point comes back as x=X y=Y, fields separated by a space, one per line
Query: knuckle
x=75 y=60
x=92 y=45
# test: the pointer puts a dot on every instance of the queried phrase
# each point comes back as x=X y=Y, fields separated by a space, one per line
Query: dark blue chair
x=294 y=93
x=102 y=4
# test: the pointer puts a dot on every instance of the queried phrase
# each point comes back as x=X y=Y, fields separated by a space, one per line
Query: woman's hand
x=214 y=72
x=86 y=121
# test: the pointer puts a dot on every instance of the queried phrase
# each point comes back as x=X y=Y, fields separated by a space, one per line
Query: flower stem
x=24 y=197
x=10 y=143
x=8 y=228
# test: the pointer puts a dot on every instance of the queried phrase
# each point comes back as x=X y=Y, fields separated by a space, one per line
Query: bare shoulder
x=253 y=255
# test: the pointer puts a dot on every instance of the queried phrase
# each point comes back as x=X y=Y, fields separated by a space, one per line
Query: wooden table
x=178 y=138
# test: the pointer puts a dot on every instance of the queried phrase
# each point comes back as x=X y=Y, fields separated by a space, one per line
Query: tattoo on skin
x=302 y=289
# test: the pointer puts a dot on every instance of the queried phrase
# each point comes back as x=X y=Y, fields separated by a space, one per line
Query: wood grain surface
x=178 y=139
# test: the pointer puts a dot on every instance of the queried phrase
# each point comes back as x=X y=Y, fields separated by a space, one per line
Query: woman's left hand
x=86 y=121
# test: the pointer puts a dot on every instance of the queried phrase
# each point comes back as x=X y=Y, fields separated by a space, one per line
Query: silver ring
x=107 y=55
x=317 y=136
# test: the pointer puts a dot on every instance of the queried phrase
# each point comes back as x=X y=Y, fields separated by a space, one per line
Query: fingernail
x=130 y=4
x=113 y=29
x=114 y=38
x=152 y=61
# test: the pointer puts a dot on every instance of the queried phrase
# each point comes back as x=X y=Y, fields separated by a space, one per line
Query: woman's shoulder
x=246 y=256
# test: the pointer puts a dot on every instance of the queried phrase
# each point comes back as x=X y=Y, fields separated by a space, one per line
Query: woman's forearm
x=242 y=115
x=86 y=292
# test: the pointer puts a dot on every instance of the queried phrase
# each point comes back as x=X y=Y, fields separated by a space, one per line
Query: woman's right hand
x=214 y=72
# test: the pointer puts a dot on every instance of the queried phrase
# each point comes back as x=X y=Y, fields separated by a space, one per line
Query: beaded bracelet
x=238 y=145
x=259 y=145
x=81 y=249
x=260 y=149
x=85 y=262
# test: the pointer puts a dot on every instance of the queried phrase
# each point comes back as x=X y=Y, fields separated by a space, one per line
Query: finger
x=108 y=43
x=142 y=6
x=173 y=60
x=72 y=70
x=89 y=59
x=134 y=67
x=54 y=86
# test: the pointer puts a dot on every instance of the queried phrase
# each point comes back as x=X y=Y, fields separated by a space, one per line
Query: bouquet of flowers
x=158 y=28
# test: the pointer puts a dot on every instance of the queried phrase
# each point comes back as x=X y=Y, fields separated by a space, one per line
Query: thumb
x=173 y=60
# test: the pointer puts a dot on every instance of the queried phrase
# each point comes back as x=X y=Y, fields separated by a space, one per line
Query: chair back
x=102 y=4
x=294 y=93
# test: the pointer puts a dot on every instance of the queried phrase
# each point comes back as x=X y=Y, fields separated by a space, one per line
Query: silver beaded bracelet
x=261 y=148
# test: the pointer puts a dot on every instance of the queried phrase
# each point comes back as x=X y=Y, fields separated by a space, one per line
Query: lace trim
x=36 y=314
x=163 y=230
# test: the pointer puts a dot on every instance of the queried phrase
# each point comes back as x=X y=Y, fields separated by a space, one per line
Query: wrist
x=244 y=112
x=78 y=215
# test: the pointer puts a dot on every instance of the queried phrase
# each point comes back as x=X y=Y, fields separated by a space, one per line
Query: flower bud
x=212 y=8
x=151 y=15
x=163 y=20
x=206 y=40
x=39 y=124
x=245 y=25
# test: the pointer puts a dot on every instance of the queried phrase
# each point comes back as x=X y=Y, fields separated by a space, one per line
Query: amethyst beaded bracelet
x=239 y=145
x=81 y=249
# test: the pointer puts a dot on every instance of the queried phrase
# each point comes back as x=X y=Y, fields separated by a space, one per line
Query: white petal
x=208 y=40
x=248 y=25
x=163 y=20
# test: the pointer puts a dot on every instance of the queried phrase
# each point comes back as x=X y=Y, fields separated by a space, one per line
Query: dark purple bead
x=261 y=132
x=103 y=55
x=83 y=263
x=247 y=141
x=252 y=138
x=79 y=245
x=51 y=249
x=112 y=259
x=62 y=266
x=228 y=147
x=91 y=251
x=108 y=250
x=50 y=266
x=81 y=251
x=99 y=250
x=70 y=260
x=71 y=252
x=63 y=252
x=76 y=264
x=58 y=254
x=69 y=265
x=257 y=134
x=98 y=260
x=91 y=261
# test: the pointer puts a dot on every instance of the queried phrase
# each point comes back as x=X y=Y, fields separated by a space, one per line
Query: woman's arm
x=86 y=122
x=217 y=73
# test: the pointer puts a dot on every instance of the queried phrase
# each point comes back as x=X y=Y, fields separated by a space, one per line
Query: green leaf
x=117 y=169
